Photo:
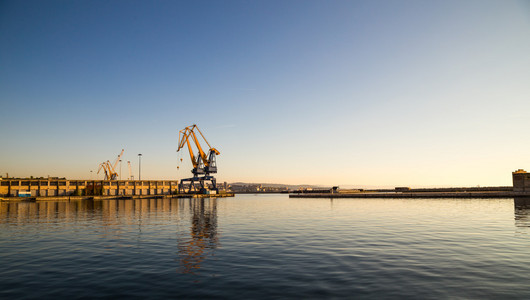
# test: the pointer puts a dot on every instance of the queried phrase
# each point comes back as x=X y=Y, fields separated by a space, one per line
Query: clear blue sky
x=382 y=93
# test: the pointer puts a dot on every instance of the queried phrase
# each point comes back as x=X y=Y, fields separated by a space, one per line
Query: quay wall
x=520 y=189
x=417 y=195
x=63 y=187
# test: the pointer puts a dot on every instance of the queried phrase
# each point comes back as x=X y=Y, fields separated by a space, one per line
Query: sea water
x=265 y=246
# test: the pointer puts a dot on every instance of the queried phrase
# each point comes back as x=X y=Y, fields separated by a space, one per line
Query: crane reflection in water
x=194 y=247
x=196 y=234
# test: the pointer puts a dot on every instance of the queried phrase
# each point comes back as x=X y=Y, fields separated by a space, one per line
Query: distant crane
x=106 y=168
x=203 y=164
x=110 y=169
x=131 y=176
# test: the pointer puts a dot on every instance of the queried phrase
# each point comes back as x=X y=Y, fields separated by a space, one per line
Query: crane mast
x=204 y=163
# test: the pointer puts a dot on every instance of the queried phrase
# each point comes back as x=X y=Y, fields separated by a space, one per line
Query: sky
x=349 y=93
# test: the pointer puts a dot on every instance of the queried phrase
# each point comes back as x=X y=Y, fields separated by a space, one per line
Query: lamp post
x=120 y=169
x=140 y=166
x=91 y=177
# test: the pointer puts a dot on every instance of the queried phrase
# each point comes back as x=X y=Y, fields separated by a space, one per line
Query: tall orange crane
x=110 y=169
x=203 y=163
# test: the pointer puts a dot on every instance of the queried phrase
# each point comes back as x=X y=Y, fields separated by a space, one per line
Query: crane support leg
x=206 y=184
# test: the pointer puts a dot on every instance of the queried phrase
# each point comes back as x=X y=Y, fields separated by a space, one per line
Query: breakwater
x=520 y=189
x=498 y=194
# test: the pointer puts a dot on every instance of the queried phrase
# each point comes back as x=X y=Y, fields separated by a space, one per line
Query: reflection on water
x=196 y=221
x=522 y=212
x=202 y=236
x=266 y=246
x=108 y=210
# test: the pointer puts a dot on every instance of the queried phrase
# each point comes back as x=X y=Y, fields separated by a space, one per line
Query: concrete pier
x=63 y=187
x=501 y=194
x=520 y=189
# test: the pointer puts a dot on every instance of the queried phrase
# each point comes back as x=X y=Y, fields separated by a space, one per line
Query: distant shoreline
x=409 y=195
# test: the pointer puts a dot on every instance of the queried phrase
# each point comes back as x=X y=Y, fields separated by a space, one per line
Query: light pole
x=91 y=177
x=120 y=169
x=140 y=166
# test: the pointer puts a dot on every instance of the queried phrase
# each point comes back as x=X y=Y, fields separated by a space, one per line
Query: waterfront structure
x=204 y=164
x=63 y=187
x=521 y=181
x=520 y=189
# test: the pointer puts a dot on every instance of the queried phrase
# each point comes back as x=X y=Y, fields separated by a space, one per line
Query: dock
x=83 y=198
x=519 y=189
x=63 y=189
x=500 y=194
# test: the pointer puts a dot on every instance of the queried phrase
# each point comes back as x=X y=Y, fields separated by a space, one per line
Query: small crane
x=110 y=169
x=203 y=164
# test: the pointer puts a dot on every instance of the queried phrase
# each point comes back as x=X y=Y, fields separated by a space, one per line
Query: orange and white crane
x=110 y=169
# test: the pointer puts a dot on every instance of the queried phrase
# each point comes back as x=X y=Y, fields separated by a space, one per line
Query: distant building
x=257 y=188
x=521 y=181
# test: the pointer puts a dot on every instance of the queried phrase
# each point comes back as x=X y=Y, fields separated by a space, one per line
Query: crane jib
x=204 y=163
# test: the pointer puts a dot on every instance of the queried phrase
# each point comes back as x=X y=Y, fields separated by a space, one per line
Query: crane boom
x=106 y=169
x=117 y=160
x=201 y=152
x=102 y=166
x=211 y=148
x=203 y=163
x=184 y=139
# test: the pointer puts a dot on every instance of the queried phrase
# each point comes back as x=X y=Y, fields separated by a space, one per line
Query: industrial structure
x=203 y=164
x=521 y=181
x=110 y=170
x=18 y=187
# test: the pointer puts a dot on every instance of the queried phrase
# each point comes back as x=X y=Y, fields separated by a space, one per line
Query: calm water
x=266 y=246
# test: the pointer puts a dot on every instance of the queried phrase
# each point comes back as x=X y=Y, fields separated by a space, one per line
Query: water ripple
x=266 y=246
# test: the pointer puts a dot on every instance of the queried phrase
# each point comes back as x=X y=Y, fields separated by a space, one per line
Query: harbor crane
x=110 y=169
x=204 y=163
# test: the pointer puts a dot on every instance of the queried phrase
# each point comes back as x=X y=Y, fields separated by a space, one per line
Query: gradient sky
x=350 y=93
